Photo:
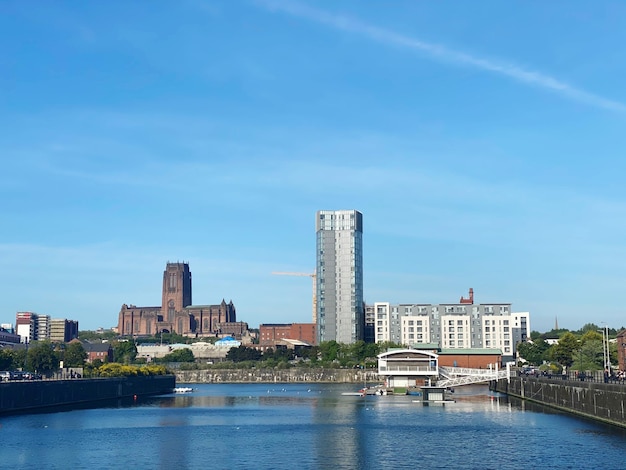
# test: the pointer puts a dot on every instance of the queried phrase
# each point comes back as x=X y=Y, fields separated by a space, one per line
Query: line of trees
x=327 y=354
x=582 y=350
x=43 y=357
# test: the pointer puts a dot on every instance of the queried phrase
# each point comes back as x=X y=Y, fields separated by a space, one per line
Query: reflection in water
x=309 y=427
x=174 y=444
x=337 y=435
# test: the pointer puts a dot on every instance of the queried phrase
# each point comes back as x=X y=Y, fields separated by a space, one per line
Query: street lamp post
x=580 y=366
x=603 y=351
x=605 y=347
x=608 y=355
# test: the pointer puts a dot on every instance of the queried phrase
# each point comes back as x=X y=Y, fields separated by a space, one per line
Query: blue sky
x=482 y=141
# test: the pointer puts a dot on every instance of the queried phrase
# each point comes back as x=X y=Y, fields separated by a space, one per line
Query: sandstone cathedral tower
x=177 y=314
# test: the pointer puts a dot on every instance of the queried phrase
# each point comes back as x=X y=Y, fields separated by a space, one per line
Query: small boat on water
x=375 y=390
x=183 y=390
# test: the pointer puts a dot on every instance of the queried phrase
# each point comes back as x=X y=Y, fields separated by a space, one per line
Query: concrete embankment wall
x=26 y=396
x=598 y=401
x=277 y=376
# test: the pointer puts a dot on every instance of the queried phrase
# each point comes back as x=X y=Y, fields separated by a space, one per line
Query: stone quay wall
x=356 y=376
x=597 y=401
x=26 y=396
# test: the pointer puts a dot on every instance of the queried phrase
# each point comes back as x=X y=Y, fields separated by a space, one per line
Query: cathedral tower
x=176 y=290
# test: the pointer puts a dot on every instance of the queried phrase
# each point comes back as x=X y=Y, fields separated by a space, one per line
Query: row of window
x=460 y=309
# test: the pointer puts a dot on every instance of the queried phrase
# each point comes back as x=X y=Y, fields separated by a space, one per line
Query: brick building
x=177 y=314
x=102 y=351
x=271 y=334
x=470 y=358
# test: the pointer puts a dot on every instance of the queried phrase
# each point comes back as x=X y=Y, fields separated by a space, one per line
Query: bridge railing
x=453 y=371
x=394 y=368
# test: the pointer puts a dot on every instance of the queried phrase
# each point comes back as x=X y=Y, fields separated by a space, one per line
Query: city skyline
x=483 y=146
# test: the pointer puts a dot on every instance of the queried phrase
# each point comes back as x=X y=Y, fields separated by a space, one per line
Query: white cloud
x=443 y=54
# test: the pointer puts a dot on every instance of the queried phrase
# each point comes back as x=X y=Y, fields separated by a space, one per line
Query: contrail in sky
x=441 y=53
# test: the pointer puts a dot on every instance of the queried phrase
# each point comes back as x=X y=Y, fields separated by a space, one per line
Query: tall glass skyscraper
x=339 y=274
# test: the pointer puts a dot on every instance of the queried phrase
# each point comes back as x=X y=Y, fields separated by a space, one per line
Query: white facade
x=407 y=367
x=32 y=326
x=451 y=326
x=25 y=332
x=415 y=329
x=455 y=331
x=382 y=320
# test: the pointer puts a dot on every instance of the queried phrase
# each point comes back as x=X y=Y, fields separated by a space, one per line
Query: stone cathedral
x=176 y=314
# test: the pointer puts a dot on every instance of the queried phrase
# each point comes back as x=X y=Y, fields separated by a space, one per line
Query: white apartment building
x=449 y=326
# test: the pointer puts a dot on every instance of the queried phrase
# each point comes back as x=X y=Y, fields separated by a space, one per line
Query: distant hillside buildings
x=31 y=326
x=176 y=314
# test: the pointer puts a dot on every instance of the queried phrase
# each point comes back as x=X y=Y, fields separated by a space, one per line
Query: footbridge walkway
x=455 y=376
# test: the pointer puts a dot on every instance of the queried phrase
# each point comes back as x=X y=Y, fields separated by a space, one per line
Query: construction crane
x=312 y=276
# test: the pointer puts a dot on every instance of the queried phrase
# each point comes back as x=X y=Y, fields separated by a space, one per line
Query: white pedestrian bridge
x=456 y=376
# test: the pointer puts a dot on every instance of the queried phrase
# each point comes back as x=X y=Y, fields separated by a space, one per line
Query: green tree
x=95 y=336
x=591 y=335
x=593 y=353
x=533 y=352
x=124 y=352
x=309 y=353
x=41 y=357
x=6 y=359
x=171 y=338
x=243 y=353
x=357 y=351
x=589 y=356
x=387 y=345
x=553 y=333
x=329 y=350
x=179 y=355
x=12 y=359
x=19 y=358
x=563 y=351
x=75 y=355
x=279 y=354
x=587 y=327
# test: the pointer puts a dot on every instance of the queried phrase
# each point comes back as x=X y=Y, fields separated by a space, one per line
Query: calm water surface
x=309 y=427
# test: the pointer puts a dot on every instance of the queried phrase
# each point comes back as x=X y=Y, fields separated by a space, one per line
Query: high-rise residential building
x=339 y=275
x=43 y=327
x=63 y=330
x=31 y=326
x=453 y=326
x=34 y=327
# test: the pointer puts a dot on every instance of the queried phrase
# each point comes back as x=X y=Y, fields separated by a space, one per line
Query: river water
x=296 y=426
